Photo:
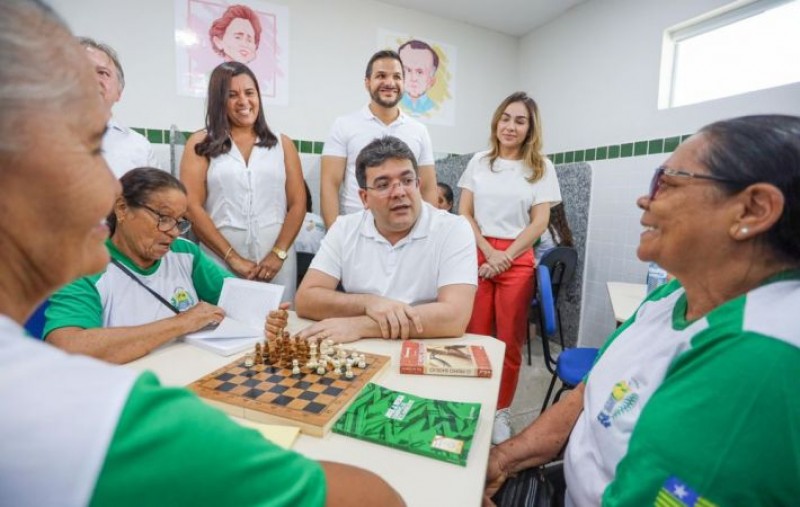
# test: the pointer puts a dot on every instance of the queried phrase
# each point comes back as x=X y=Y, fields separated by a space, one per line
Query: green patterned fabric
x=437 y=429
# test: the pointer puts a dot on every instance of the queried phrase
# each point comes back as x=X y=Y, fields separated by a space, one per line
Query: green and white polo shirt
x=184 y=276
x=703 y=412
x=75 y=431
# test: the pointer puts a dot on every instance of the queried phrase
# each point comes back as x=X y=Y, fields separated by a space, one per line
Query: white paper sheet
x=246 y=304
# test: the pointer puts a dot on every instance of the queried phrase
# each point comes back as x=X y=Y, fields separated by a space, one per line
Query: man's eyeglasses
x=655 y=183
x=384 y=187
x=166 y=223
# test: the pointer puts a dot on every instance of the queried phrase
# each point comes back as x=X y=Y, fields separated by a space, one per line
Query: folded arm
x=367 y=315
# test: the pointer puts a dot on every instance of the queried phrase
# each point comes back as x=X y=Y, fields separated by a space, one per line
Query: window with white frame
x=745 y=46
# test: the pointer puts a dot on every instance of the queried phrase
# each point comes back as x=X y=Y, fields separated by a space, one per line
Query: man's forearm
x=439 y=319
x=317 y=303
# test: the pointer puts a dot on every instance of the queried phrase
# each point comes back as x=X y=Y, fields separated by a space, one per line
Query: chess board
x=273 y=395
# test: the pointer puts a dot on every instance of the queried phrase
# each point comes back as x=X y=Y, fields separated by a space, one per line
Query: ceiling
x=512 y=17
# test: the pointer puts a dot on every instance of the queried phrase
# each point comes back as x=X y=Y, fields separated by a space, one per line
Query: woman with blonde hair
x=506 y=194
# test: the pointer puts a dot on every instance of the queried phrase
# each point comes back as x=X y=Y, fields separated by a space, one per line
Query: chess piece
x=349 y=370
x=362 y=361
x=248 y=360
x=320 y=370
x=295 y=367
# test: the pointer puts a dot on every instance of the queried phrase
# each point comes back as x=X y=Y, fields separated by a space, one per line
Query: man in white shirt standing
x=350 y=133
x=123 y=148
x=407 y=268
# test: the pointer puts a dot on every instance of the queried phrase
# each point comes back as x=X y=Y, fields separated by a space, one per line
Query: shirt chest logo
x=623 y=398
x=182 y=299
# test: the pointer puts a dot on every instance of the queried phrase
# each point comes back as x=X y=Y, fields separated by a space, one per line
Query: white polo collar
x=420 y=230
x=112 y=124
x=368 y=115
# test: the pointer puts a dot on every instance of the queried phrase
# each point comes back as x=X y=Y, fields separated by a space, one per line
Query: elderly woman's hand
x=201 y=315
x=496 y=475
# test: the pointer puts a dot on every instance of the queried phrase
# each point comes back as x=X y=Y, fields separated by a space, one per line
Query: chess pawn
x=248 y=360
x=349 y=370
x=321 y=370
x=362 y=361
x=295 y=367
x=259 y=358
x=337 y=365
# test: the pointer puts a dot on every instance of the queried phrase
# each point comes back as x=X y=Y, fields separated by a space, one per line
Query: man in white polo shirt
x=407 y=268
x=350 y=133
x=123 y=148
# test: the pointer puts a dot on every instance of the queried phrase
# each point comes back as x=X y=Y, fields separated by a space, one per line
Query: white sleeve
x=426 y=152
x=547 y=189
x=152 y=160
x=459 y=259
x=329 y=257
x=466 y=180
x=336 y=145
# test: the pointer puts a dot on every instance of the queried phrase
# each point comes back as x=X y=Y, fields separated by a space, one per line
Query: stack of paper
x=246 y=304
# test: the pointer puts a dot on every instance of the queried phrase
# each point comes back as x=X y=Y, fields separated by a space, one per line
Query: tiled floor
x=532 y=386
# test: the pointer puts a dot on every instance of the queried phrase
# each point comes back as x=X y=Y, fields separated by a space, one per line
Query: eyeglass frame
x=162 y=218
x=407 y=183
x=661 y=171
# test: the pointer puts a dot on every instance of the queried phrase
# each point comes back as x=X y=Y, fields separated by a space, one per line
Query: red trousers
x=501 y=310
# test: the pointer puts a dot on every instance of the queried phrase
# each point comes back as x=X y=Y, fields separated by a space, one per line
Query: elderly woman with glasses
x=156 y=288
x=693 y=401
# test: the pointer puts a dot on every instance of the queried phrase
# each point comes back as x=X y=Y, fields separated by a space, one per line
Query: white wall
x=594 y=72
x=330 y=43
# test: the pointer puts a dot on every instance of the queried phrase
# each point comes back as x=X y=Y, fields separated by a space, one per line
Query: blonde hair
x=532 y=146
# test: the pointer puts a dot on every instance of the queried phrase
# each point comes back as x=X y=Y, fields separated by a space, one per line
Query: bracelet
x=230 y=249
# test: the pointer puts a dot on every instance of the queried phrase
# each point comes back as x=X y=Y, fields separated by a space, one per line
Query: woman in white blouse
x=245 y=183
x=506 y=195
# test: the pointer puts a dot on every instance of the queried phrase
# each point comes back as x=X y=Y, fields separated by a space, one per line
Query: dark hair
x=532 y=146
x=559 y=226
x=218 y=27
x=139 y=184
x=761 y=149
x=88 y=42
x=448 y=192
x=309 y=203
x=379 y=151
x=380 y=55
x=218 y=128
x=418 y=44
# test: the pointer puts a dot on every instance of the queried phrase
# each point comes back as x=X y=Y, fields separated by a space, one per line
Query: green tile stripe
x=158 y=136
x=622 y=150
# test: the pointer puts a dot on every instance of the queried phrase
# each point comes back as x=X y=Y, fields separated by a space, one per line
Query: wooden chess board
x=272 y=394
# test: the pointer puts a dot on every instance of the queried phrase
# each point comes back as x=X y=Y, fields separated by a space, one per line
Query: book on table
x=421 y=358
x=437 y=429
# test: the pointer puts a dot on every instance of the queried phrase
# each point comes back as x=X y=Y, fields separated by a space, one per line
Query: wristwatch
x=280 y=253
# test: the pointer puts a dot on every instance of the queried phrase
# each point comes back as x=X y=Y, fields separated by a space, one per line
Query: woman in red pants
x=506 y=195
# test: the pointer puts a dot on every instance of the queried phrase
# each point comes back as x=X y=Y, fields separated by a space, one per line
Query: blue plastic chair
x=571 y=365
x=35 y=324
x=562 y=261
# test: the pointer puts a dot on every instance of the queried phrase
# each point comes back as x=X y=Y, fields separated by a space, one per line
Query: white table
x=421 y=481
x=625 y=298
